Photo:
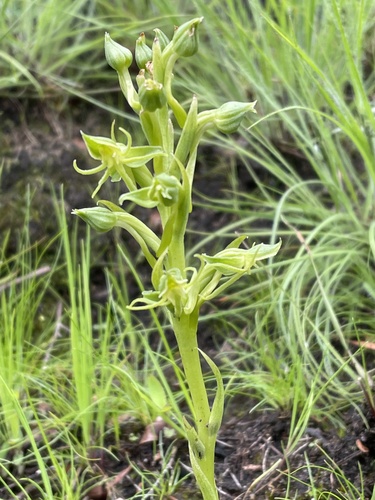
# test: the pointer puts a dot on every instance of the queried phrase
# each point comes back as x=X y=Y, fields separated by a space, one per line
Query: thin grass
x=289 y=333
x=65 y=390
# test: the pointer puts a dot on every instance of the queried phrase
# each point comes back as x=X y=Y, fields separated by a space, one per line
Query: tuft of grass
x=40 y=40
x=52 y=49
x=67 y=383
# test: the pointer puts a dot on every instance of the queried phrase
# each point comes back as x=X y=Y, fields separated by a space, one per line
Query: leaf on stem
x=217 y=409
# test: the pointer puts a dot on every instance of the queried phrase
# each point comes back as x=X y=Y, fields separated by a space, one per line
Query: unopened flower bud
x=185 y=38
x=162 y=37
x=229 y=116
x=143 y=53
x=100 y=219
x=118 y=57
x=151 y=95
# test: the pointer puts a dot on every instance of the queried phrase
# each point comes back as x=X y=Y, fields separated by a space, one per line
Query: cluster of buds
x=155 y=65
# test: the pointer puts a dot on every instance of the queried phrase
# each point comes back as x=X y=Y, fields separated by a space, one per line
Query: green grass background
x=68 y=374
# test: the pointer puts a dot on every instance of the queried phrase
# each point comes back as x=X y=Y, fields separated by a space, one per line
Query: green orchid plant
x=160 y=175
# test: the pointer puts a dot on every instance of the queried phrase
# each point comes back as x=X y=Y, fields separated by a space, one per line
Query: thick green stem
x=185 y=329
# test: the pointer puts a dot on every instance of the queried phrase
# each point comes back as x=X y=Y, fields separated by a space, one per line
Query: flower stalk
x=160 y=175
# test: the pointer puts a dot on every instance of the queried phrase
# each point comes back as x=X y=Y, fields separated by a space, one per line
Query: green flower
x=119 y=160
x=171 y=293
x=172 y=289
x=164 y=190
x=239 y=260
x=217 y=272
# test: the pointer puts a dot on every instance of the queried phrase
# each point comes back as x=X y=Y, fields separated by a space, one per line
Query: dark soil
x=38 y=147
x=251 y=447
x=251 y=460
